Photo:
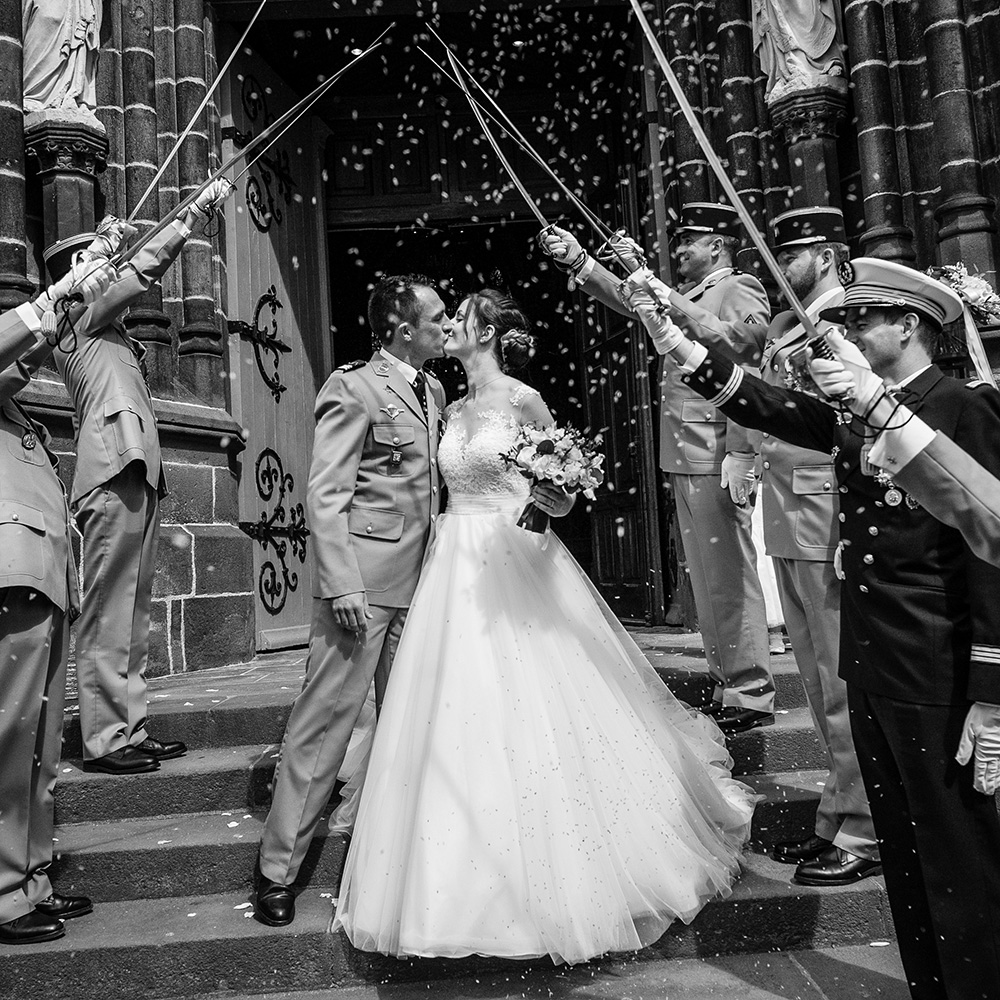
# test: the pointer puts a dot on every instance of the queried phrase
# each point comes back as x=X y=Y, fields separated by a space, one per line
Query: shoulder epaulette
x=351 y=366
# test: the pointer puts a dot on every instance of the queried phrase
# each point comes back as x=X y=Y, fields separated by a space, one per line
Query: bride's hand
x=552 y=499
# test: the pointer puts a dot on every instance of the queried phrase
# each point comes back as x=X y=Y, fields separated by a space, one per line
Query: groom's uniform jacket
x=374 y=490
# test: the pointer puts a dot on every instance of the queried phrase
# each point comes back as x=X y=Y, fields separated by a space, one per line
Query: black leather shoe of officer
x=793 y=852
x=835 y=867
x=161 y=749
x=125 y=760
x=275 y=903
x=734 y=719
x=31 y=928
x=65 y=907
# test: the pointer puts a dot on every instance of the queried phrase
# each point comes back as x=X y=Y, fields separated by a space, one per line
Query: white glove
x=666 y=335
x=982 y=732
x=86 y=278
x=738 y=475
x=643 y=282
x=212 y=196
x=848 y=376
x=622 y=249
x=560 y=244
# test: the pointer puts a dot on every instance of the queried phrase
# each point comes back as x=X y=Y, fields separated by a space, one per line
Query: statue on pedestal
x=61 y=41
x=799 y=45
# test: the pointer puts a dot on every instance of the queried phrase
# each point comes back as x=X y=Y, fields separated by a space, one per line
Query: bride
x=533 y=787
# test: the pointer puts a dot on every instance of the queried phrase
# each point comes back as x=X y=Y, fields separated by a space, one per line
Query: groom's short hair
x=394 y=301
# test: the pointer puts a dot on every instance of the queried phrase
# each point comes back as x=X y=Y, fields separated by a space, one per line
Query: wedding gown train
x=533 y=788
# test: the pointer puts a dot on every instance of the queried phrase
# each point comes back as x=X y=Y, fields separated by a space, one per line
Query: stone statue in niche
x=61 y=42
x=799 y=44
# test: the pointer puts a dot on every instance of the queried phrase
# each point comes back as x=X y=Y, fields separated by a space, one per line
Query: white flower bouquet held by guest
x=562 y=456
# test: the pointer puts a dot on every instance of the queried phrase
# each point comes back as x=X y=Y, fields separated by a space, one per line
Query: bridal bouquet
x=974 y=289
x=562 y=456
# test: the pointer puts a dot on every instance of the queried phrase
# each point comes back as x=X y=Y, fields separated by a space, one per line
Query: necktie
x=419 y=387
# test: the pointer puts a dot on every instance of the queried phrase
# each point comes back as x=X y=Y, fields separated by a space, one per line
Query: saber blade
x=496 y=148
x=716 y=164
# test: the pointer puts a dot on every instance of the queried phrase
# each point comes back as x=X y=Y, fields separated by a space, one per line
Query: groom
x=373 y=497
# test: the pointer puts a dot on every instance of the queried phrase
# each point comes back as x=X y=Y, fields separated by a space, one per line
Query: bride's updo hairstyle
x=513 y=345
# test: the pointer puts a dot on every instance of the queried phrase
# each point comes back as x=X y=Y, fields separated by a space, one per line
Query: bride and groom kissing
x=533 y=788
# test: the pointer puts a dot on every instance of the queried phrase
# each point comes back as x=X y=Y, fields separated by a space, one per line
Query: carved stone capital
x=66 y=142
x=811 y=114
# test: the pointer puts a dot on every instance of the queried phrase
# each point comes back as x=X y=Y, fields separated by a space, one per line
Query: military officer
x=799 y=497
x=116 y=494
x=702 y=452
x=920 y=623
x=38 y=595
x=943 y=478
x=373 y=497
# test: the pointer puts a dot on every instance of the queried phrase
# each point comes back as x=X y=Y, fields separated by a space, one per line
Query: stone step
x=204 y=944
x=236 y=777
x=181 y=855
x=220 y=707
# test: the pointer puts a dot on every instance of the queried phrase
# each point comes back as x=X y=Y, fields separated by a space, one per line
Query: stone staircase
x=168 y=857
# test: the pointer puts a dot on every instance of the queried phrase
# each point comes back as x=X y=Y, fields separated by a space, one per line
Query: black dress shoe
x=125 y=760
x=275 y=903
x=65 y=907
x=734 y=719
x=31 y=928
x=161 y=749
x=792 y=852
x=835 y=867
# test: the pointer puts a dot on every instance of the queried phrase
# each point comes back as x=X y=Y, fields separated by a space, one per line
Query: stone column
x=964 y=214
x=808 y=120
x=200 y=349
x=886 y=234
x=14 y=284
x=146 y=320
x=678 y=37
x=69 y=148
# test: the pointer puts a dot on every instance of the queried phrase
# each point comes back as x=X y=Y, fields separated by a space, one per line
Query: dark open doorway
x=465 y=257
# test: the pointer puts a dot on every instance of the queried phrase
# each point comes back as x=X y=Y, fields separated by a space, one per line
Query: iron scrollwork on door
x=262 y=202
x=265 y=341
x=283 y=530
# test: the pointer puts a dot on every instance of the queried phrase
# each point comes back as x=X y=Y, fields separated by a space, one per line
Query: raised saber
x=294 y=112
x=727 y=185
x=194 y=118
x=496 y=147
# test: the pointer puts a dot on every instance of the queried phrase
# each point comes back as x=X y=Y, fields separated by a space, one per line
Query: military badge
x=391 y=411
x=28 y=440
x=846 y=273
x=383 y=369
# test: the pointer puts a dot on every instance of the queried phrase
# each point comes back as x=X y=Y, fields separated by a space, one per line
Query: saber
x=727 y=185
x=603 y=231
x=293 y=113
x=496 y=148
x=194 y=117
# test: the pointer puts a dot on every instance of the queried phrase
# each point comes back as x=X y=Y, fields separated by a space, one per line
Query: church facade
x=886 y=109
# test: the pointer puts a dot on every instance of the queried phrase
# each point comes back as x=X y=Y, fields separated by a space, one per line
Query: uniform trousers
x=34 y=643
x=339 y=672
x=810 y=599
x=120 y=522
x=940 y=845
x=722 y=564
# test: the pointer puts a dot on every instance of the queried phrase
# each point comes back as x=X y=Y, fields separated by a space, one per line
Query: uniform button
x=434 y=517
x=826 y=486
x=708 y=414
x=873 y=530
x=863 y=589
x=395 y=440
x=767 y=465
x=843 y=489
x=775 y=367
x=434 y=489
x=842 y=516
x=766 y=434
x=369 y=529
x=14 y=517
x=868 y=559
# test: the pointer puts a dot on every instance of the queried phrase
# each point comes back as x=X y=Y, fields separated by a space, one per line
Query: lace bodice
x=471 y=464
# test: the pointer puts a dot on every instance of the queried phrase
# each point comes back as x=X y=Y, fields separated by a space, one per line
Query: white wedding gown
x=533 y=788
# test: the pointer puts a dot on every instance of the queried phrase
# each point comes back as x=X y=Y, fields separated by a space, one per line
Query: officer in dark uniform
x=920 y=619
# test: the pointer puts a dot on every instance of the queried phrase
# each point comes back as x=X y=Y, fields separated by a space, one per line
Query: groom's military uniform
x=373 y=497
